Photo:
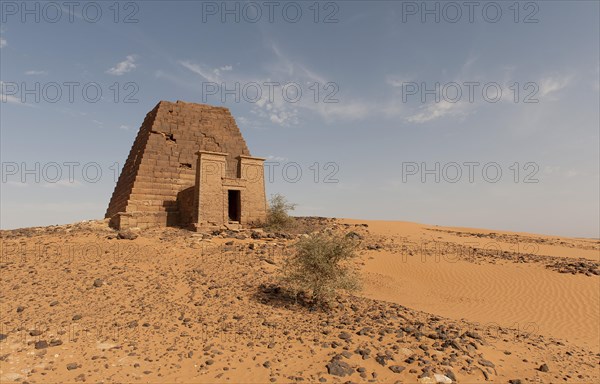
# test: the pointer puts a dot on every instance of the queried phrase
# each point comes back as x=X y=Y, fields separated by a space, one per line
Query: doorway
x=234 y=205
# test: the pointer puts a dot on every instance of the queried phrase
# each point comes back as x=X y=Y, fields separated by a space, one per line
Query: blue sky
x=371 y=129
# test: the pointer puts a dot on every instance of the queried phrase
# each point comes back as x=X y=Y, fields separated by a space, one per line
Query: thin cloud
x=342 y=110
x=276 y=111
x=36 y=73
x=551 y=85
x=442 y=108
x=285 y=113
x=11 y=99
x=123 y=67
x=3 y=42
x=212 y=75
x=397 y=81
x=276 y=158
x=436 y=111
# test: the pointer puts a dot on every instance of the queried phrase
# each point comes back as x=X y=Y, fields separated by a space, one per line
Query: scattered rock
x=337 y=367
x=126 y=235
x=544 y=368
x=450 y=375
x=42 y=344
x=98 y=283
x=473 y=335
x=354 y=236
x=382 y=359
x=397 y=368
x=365 y=353
x=72 y=366
x=441 y=379
x=486 y=363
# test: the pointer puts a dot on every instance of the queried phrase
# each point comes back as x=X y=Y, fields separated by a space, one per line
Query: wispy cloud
x=276 y=111
x=36 y=73
x=272 y=106
x=3 y=42
x=293 y=70
x=212 y=75
x=437 y=110
x=284 y=69
x=276 y=158
x=398 y=108
x=352 y=110
x=124 y=66
x=397 y=81
x=550 y=85
x=11 y=99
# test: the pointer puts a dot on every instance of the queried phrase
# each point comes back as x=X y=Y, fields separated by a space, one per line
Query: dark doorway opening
x=235 y=205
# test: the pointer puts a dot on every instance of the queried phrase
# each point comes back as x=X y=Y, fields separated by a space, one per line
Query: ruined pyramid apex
x=190 y=105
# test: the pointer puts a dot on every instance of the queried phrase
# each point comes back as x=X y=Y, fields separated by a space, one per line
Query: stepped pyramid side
x=120 y=196
x=163 y=160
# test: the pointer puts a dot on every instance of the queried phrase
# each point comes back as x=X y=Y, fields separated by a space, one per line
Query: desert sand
x=83 y=303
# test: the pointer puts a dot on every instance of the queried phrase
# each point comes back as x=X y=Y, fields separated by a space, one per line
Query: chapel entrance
x=235 y=205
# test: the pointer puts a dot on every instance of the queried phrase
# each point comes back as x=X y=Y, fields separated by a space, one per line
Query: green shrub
x=320 y=267
x=277 y=214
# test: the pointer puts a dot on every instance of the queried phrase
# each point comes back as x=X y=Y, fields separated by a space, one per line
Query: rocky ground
x=529 y=252
x=85 y=303
x=523 y=249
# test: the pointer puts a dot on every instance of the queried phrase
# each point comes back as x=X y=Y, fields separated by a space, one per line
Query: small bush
x=277 y=215
x=320 y=267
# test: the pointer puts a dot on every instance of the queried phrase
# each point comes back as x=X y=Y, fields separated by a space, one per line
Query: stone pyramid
x=163 y=159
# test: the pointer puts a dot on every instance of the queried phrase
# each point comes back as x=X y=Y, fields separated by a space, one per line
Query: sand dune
x=519 y=295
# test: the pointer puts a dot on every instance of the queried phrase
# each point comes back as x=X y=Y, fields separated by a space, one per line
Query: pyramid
x=184 y=168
